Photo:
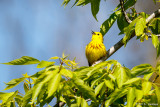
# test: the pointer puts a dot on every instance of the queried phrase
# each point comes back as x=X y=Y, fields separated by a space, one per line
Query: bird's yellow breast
x=94 y=51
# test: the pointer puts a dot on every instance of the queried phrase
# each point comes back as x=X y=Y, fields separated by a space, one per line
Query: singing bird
x=95 y=49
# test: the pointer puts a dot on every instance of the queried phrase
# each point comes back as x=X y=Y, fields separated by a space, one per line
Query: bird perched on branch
x=95 y=49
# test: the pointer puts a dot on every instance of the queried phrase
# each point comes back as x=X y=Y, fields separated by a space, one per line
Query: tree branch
x=124 y=12
x=59 y=104
x=118 y=45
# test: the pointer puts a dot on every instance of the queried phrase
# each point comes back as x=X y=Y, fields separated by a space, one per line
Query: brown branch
x=124 y=12
x=118 y=45
x=155 y=78
x=59 y=104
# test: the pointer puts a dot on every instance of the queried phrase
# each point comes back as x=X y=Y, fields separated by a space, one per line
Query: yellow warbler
x=95 y=49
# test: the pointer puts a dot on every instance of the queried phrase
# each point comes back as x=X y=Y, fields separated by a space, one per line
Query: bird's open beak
x=93 y=32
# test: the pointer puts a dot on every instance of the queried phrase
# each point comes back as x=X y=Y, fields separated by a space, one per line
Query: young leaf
x=155 y=26
x=139 y=95
x=13 y=83
x=43 y=64
x=129 y=31
x=84 y=103
x=36 y=91
x=53 y=84
x=65 y=2
x=146 y=87
x=158 y=50
x=118 y=93
x=40 y=82
x=66 y=73
x=7 y=97
x=109 y=22
x=155 y=40
x=140 y=25
x=121 y=75
x=83 y=2
x=141 y=70
x=24 y=60
x=130 y=97
x=109 y=84
x=27 y=97
x=157 y=93
x=78 y=100
x=86 y=90
x=26 y=87
x=95 y=7
x=132 y=80
x=98 y=88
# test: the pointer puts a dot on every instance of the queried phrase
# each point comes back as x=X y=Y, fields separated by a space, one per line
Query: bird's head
x=97 y=36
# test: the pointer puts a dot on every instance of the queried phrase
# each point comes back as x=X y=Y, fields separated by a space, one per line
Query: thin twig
x=124 y=12
x=118 y=45
x=155 y=78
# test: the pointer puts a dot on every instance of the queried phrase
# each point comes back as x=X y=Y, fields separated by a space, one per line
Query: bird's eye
x=98 y=34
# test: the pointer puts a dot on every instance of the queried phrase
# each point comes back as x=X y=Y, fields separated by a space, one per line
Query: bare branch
x=118 y=45
x=124 y=12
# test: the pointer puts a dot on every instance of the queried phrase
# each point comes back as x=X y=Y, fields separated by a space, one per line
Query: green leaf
x=19 y=100
x=121 y=22
x=95 y=69
x=36 y=91
x=83 y=2
x=82 y=71
x=141 y=70
x=132 y=80
x=127 y=4
x=95 y=7
x=43 y=64
x=7 y=97
x=158 y=50
x=155 y=26
x=65 y=2
x=13 y=83
x=27 y=97
x=147 y=76
x=66 y=73
x=98 y=88
x=24 y=60
x=86 y=90
x=155 y=40
x=121 y=75
x=40 y=82
x=109 y=84
x=130 y=97
x=129 y=31
x=53 y=84
x=93 y=83
x=146 y=87
x=26 y=87
x=84 y=103
x=118 y=93
x=139 y=95
x=109 y=22
x=75 y=3
x=140 y=25
x=56 y=57
x=78 y=100
x=157 y=93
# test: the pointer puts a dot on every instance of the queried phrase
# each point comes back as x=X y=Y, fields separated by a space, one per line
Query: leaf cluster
x=107 y=83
